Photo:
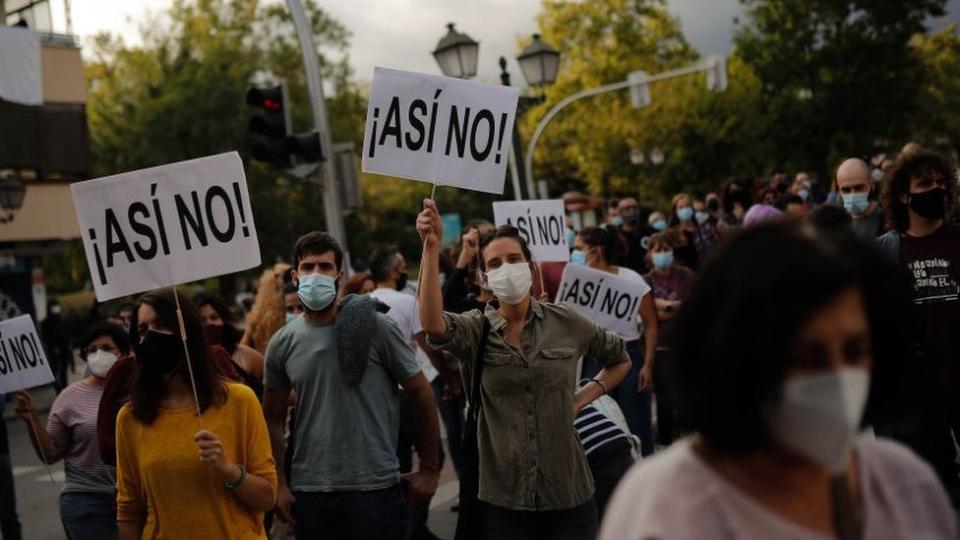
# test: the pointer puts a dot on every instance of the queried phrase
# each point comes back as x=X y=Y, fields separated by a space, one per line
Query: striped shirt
x=72 y=426
x=598 y=433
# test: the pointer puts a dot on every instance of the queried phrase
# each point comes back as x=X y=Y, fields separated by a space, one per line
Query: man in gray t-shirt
x=346 y=362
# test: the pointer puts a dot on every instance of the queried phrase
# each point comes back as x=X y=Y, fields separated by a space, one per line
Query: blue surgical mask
x=702 y=217
x=578 y=258
x=291 y=317
x=685 y=213
x=856 y=203
x=662 y=259
x=804 y=194
x=317 y=291
x=660 y=224
x=571 y=237
x=616 y=221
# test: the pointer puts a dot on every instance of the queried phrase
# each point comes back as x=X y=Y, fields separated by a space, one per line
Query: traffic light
x=305 y=145
x=269 y=127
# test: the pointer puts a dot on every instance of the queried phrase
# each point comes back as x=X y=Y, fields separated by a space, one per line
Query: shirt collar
x=497 y=321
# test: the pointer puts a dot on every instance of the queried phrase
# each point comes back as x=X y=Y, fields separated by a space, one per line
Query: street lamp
x=457 y=54
x=637 y=157
x=539 y=63
x=12 y=192
x=656 y=156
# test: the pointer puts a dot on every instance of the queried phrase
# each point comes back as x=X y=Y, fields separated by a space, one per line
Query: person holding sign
x=600 y=248
x=87 y=507
x=173 y=480
x=534 y=478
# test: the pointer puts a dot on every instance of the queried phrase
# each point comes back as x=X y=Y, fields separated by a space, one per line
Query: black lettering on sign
x=407 y=124
x=454 y=130
x=144 y=230
x=17 y=350
x=571 y=293
x=417 y=124
x=597 y=294
x=217 y=192
x=4 y=357
x=194 y=219
x=116 y=241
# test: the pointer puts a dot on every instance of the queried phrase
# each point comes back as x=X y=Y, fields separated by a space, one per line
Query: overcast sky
x=402 y=33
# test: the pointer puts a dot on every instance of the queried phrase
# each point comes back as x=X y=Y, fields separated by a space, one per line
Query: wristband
x=234 y=485
x=603 y=386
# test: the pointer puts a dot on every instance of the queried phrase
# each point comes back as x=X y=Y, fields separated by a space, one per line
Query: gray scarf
x=356 y=326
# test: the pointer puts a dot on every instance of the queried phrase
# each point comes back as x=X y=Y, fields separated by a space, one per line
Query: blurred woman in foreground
x=797 y=336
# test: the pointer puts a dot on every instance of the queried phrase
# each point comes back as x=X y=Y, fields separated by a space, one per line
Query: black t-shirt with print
x=933 y=262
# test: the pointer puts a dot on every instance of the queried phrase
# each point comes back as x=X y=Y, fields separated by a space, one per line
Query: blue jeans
x=88 y=516
x=380 y=514
x=636 y=405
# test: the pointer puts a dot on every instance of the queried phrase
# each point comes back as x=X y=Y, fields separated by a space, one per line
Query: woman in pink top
x=787 y=344
x=87 y=503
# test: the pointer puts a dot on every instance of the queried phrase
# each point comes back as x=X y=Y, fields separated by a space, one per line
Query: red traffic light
x=270 y=98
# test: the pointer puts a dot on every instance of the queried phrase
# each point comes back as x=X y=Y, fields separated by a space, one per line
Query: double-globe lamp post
x=457 y=55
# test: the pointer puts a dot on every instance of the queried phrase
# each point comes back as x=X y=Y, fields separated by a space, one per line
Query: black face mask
x=402 y=281
x=929 y=204
x=631 y=215
x=713 y=205
x=159 y=354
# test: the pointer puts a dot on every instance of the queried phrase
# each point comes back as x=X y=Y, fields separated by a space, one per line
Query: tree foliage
x=839 y=77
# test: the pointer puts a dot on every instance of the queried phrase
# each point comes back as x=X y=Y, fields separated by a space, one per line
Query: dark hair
x=786 y=200
x=614 y=248
x=382 y=261
x=110 y=330
x=316 y=243
x=745 y=199
x=897 y=184
x=355 y=283
x=231 y=336
x=146 y=392
x=739 y=321
x=830 y=219
x=503 y=231
x=289 y=288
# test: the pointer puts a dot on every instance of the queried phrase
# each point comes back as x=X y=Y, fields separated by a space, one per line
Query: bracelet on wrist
x=602 y=386
x=234 y=485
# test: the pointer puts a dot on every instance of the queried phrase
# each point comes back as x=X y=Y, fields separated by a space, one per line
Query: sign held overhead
x=166 y=225
x=542 y=224
x=442 y=130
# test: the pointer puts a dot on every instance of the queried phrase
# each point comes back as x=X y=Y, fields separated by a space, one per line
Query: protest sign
x=166 y=225
x=442 y=130
x=23 y=363
x=541 y=223
x=608 y=300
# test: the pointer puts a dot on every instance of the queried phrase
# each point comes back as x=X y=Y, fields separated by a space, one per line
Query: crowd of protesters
x=793 y=373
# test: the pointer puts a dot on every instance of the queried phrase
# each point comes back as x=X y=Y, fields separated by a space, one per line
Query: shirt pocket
x=557 y=365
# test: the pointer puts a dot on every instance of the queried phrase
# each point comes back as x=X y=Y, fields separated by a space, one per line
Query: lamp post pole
x=712 y=65
x=311 y=65
x=516 y=175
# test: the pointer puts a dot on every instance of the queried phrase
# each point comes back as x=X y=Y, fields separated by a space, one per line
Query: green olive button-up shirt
x=530 y=456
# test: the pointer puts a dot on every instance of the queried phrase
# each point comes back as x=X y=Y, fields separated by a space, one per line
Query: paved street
x=37 y=496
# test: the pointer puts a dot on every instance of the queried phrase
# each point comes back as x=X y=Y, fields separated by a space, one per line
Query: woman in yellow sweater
x=180 y=476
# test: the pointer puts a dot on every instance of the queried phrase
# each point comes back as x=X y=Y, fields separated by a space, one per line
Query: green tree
x=937 y=122
x=839 y=77
x=180 y=95
x=704 y=136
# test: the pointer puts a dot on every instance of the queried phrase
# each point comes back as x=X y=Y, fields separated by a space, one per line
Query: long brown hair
x=146 y=392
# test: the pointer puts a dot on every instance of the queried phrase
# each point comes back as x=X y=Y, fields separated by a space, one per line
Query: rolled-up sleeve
x=462 y=336
x=606 y=348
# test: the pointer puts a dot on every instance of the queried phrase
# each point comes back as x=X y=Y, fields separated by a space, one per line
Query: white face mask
x=100 y=363
x=819 y=415
x=511 y=282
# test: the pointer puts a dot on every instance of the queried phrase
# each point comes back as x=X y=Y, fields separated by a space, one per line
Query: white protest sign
x=541 y=224
x=23 y=363
x=439 y=129
x=166 y=225
x=608 y=300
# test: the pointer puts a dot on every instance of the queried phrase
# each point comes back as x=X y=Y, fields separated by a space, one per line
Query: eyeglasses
x=105 y=347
